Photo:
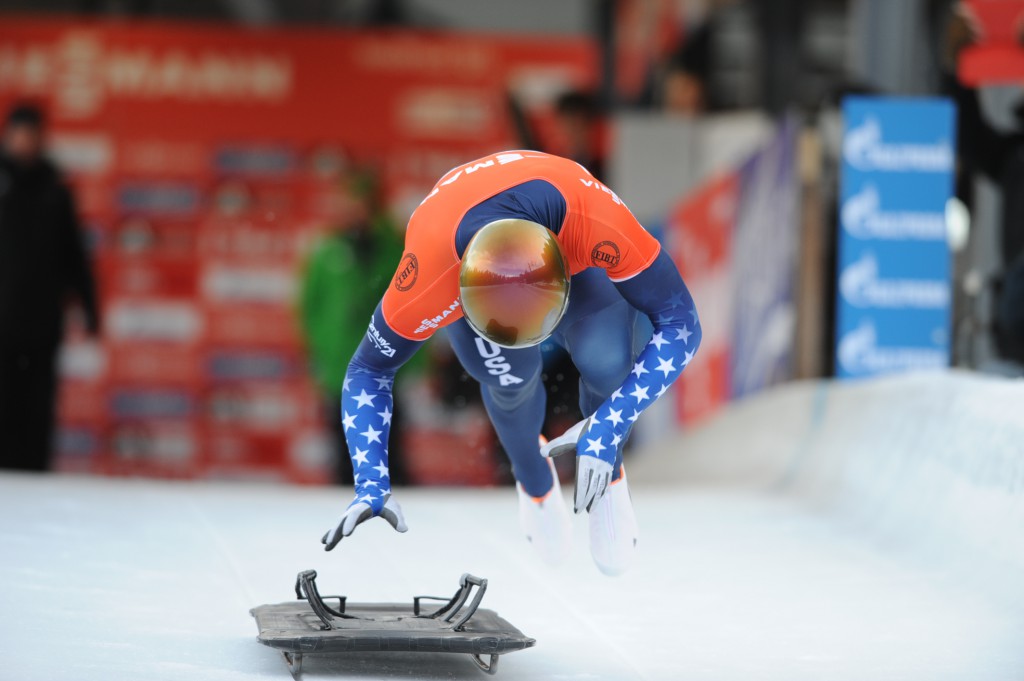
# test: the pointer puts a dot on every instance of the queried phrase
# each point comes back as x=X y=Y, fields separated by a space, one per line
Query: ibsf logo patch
x=408 y=272
x=606 y=254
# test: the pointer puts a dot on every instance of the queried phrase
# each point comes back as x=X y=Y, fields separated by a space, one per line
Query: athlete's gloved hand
x=595 y=459
x=359 y=511
x=592 y=479
x=566 y=442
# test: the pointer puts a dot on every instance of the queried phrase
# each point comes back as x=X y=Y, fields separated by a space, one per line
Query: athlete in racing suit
x=464 y=250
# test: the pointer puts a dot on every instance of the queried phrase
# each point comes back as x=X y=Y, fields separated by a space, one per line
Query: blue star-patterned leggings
x=601 y=332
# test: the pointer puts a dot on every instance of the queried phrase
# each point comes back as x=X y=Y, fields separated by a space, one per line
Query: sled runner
x=310 y=626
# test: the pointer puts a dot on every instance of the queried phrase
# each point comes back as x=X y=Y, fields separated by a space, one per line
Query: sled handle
x=468 y=582
x=454 y=606
x=306 y=589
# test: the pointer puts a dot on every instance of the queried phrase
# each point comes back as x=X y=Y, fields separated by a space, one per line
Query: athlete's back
x=596 y=230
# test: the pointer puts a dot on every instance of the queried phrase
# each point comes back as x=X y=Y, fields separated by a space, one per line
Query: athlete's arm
x=659 y=292
x=608 y=235
x=366 y=408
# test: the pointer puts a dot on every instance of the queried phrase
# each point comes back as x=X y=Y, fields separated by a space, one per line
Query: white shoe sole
x=546 y=522
x=614 y=532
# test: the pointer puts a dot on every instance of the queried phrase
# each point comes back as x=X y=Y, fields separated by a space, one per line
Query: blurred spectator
x=999 y=155
x=42 y=261
x=344 y=276
x=684 y=87
x=579 y=123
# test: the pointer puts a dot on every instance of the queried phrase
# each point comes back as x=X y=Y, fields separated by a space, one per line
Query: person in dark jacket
x=42 y=263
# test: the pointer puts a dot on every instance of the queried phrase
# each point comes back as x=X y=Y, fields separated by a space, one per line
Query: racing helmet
x=514 y=283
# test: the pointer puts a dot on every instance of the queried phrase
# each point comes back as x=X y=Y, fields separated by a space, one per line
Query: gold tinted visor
x=514 y=283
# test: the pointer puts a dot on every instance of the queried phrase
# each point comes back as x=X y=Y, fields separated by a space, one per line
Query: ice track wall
x=931 y=465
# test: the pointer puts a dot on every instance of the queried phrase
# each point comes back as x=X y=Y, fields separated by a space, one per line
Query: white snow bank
x=932 y=464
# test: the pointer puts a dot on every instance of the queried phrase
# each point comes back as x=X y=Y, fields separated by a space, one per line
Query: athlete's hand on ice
x=596 y=452
x=362 y=509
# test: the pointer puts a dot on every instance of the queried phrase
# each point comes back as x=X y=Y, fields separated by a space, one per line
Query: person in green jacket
x=343 y=277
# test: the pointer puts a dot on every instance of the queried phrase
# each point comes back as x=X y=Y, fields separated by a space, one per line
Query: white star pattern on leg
x=635 y=416
x=687 y=357
x=366 y=497
x=349 y=420
x=371 y=435
x=363 y=399
x=664 y=389
x=382 y=470
x=684 y=334
x=639 y=369
x=616 y=440
x=666 y=366
x=383 y=383
x=344 y=386
x=385 y=415
x=640 y=393
x=617 y=394
x=360 y=458
x=595 y=446
x=371 y=483
x=658 y=340
x=614 y=417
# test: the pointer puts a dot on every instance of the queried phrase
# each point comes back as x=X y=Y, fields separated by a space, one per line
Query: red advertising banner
x=998 y=58
x=205 y=161
x=149 y=99
x=701 y=229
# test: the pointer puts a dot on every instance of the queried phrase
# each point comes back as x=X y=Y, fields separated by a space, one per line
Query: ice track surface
x=107 y=580
x=823 y=532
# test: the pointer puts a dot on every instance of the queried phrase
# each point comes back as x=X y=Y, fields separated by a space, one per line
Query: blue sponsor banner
x=894 y=288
